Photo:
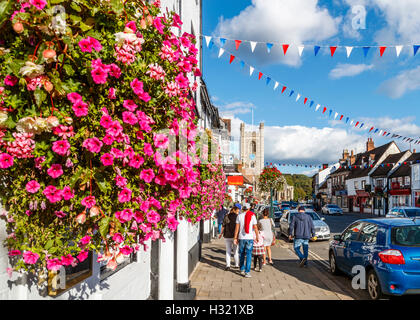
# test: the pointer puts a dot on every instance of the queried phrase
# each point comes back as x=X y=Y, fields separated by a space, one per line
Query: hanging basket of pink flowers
x=91 y=94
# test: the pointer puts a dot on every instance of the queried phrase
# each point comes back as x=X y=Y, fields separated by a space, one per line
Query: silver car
x=331 y=209
x=322 y=230
x=403 y=212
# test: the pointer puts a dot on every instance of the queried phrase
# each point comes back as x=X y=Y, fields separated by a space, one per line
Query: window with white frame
x=356 y=185
x=407 y=181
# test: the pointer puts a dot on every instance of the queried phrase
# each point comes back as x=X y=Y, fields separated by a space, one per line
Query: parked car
x=403 y=212
x=322 y=230
x=277 y=216
x=284 y=207
x=389 y=251
x=308 y=206
x=331 y=209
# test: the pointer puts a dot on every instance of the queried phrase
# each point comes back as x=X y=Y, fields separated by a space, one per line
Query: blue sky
x=384 y=92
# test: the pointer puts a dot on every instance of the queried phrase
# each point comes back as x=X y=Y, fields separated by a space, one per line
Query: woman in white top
x=267 y=229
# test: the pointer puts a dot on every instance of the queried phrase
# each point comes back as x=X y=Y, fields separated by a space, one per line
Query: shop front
x=416 y=197
x=399 y=197
x=362 y=202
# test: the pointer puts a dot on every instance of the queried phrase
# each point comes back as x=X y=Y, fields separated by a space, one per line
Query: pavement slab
x=282 y=281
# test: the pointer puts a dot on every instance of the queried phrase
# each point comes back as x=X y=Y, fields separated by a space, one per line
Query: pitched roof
x=405 y=168
x=388 y=164
x=362 y=172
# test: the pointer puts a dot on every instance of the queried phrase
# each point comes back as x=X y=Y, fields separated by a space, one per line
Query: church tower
x=252 y=151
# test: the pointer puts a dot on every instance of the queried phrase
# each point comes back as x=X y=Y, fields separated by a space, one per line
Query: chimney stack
x=370 y=145
x=352 y=158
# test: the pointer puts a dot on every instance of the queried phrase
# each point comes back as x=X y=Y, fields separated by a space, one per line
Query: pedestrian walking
x=269 y=235
x=228 y=232
x=245 y=224
x=258 y=249
x=301 y=230
x=220 y=216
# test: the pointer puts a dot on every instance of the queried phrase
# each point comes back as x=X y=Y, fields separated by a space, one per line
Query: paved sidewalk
x=283 y=281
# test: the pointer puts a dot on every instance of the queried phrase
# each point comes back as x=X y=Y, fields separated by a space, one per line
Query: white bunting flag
x=351 y=123
x=317 y=107
x=253 y=45
x=221 y=51
x=380 y=132
x=298 y=97
x=207 y=40
x=251 y=70
x=349 y=50
x=336 y=115
x=300 y=48
x=276 y=85
x=398 y=49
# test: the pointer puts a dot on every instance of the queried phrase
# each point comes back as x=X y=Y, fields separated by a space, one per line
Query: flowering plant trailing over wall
x=270 y=178
x=91 y=93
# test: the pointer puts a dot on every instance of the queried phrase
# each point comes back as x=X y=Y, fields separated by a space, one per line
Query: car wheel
x=374 y=286
x=333 y=265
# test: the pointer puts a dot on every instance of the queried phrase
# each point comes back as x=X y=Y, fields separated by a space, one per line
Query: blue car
x=387 y=249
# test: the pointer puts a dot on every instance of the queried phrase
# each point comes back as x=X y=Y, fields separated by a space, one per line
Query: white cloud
x=309 y=144
x=402 y=17
x=287 y=21
x=348 y=70
x=404 y=82
x=235 y=108
x=404 y=126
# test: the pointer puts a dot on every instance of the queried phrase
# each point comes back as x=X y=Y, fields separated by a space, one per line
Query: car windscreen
x=332 y=206
x=412 y=212
x=407 y=236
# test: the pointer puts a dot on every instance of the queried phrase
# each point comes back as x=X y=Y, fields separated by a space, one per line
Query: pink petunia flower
x=99 y=75
x=54 y=264
x=85 y=240
x=148 y=150
x=67 y=260
x=152 y=216
x=6 y=161
x=67 y=193
x=52 y=194
x=120 y=181
x=80 y=109
x=93 y=145
x=74 y=97
x=129 y=117
x=114 y=71
x=147 y=175
x=131 y=25
x=157 y=22
x=30 y=257
x=61 y=147
x=39 y=4
x=125 y=215
x=107 y=159
x=126 y=250
x=33 y=186
x=88 y=202
x=82 y=256
x=124 y=195
x=60 y=214
x=118 y=238
x=161 y=141
x=136 y=161
x=55 y=171
x=130 y=105
x=10 y=80
x=14 y=252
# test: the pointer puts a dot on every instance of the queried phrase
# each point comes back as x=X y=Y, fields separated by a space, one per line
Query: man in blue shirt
x=302 y=230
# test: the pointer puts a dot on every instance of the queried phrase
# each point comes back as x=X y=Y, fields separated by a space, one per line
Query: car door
x=362 y=250
x=345 y=245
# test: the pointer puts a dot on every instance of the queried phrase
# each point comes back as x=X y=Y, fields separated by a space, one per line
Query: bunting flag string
x=347 y=167
x=332 y=48
x=358 y=124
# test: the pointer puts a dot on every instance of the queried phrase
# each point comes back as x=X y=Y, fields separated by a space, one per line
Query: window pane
x=368 y=233
x=352 y=232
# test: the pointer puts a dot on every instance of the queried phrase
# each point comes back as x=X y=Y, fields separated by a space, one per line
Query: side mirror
x=337 y=237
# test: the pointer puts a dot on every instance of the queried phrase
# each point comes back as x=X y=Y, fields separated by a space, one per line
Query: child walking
x=258 y=249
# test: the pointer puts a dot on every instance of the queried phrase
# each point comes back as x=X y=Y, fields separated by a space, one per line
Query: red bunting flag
x=384 y=133
x=306 y=99
x=284 y=88
x=333 y=50
x=285 y=47
x=341 y=118
x=238 y=43
x=371 y=129
x=260 y=75
x=325 y=109
x=357 y=123
x=232 y=57
x=382 y=50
